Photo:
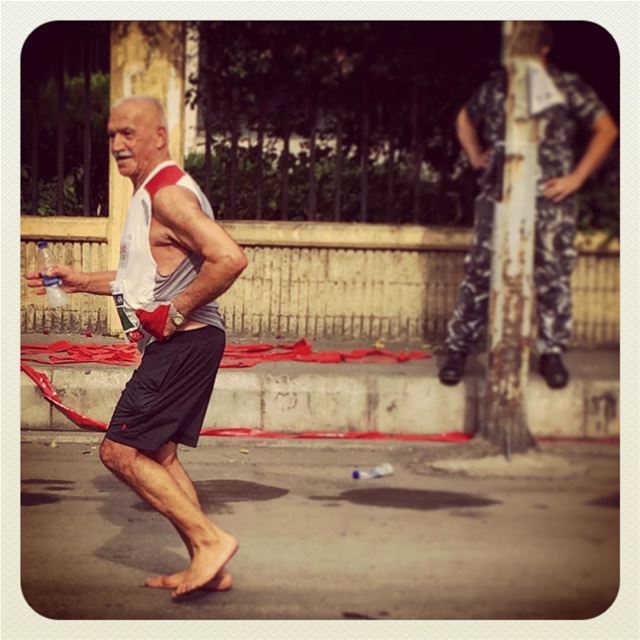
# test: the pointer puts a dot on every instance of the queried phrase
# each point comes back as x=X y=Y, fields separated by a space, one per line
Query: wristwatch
x=176 y=317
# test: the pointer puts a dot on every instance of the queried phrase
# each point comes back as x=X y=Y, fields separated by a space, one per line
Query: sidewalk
x=389 y=398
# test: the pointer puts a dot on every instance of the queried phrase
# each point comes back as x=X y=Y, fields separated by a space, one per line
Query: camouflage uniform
x=555 y=254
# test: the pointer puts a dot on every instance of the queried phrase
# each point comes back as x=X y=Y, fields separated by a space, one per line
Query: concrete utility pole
x=512 y=287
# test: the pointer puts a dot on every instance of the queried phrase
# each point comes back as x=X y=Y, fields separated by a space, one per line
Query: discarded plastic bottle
x=53 y=284
x=384 y=469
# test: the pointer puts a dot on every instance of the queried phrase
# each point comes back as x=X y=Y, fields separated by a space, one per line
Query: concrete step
x=389 y=398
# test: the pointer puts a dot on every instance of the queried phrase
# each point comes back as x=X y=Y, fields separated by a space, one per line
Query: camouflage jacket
x=558 y=124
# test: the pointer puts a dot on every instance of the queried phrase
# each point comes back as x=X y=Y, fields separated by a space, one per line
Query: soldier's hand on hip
x=480 y=161
x=557 y=189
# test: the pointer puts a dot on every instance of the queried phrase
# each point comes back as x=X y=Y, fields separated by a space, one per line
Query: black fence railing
x=339 y=121
x=64 y=110
x=329 y=121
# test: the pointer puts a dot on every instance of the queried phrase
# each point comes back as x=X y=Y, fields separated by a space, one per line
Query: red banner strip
x=44 y=384
x=331 y=435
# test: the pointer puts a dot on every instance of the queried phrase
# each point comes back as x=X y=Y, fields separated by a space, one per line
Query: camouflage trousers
x=555 y=257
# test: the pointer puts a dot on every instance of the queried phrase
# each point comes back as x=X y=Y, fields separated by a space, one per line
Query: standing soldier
x=480 y=127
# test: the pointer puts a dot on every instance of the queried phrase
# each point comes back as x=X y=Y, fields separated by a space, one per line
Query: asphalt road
x=420 y=544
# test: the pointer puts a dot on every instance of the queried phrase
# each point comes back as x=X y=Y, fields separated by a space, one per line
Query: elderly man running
x=174 y=262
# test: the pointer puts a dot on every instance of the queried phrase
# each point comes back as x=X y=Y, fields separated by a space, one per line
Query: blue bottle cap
x=42 y=244
x=355 y=474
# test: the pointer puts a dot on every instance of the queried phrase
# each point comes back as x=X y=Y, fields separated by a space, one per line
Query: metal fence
x=64 y=105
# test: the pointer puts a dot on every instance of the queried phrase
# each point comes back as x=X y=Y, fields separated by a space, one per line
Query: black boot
x=452 y=370
x=553 y=370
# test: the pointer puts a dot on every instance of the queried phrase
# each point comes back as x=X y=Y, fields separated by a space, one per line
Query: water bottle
x=384 y=469
x=53 y=284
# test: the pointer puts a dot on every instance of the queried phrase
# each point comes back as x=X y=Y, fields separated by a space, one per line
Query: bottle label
x=50 y=281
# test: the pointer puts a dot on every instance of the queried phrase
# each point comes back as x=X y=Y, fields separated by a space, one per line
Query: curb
x=300 y=397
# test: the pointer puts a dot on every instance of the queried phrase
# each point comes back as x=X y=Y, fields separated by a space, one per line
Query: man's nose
x=117 y=142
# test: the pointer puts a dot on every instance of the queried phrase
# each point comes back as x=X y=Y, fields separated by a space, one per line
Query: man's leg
x=167 y=456
x=470 y=313
x=555 y=257
x=212 y=548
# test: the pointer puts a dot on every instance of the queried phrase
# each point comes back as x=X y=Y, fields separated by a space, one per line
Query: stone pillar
x=147 y=58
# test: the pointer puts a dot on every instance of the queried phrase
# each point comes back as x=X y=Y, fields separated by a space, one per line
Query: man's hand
x=480 y=160
x=72 y=281
x=557 y=189
x=157 y=322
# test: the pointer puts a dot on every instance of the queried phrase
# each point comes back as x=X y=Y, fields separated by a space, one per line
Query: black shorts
x=168 y=394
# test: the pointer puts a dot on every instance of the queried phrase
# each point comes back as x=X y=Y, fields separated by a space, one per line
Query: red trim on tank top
x=164 y=178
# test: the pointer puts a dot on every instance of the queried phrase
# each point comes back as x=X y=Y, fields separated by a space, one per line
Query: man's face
x=135 y=136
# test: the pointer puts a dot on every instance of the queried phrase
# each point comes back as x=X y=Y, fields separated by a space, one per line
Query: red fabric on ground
x=235 y=356
x=64 y=352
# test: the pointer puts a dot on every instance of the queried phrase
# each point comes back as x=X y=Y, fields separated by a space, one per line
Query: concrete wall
x=358 y=281
x=351 y=281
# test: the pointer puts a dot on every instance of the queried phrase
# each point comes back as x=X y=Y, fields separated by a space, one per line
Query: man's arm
x=96 y=282
x=468 y=137
x=178 y=210
x=604 y=135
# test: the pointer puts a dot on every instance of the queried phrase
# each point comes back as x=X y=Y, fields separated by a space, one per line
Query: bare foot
x=207 y=562
x=221 y=582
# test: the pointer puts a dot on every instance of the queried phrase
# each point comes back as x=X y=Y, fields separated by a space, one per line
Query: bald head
x=151 y=106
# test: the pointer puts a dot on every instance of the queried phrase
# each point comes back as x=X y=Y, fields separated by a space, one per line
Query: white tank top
x=138 y=285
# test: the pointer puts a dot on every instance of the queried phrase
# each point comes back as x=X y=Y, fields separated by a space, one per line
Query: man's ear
x=161 y=135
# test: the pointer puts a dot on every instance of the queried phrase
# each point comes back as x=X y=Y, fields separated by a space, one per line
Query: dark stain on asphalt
x=215 y=494
x=612 y=501
x=353 y=615
x=409 y=499
x=237 y=491
x=33 y=499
